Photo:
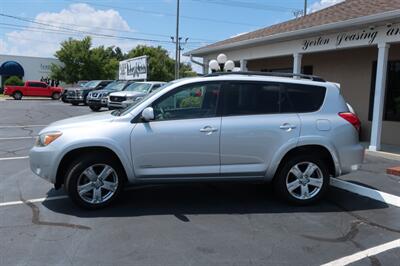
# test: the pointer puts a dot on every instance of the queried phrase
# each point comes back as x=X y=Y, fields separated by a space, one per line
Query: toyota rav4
x=295 y=131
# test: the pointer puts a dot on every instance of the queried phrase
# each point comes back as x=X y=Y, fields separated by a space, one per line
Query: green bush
x=14 y=81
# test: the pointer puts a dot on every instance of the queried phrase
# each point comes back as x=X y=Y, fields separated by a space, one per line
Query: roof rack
x=273 y=74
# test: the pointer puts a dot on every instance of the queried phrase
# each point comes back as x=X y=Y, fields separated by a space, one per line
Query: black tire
x=75 y=175
x=56 y=96
x=17 y=95
x=74 y=103
x=284 y=177
x=64 y=99
x=95 y=108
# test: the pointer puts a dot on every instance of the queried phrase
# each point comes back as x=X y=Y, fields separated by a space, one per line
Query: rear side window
x=37 y=85
x=251 y=98
x=305 y=98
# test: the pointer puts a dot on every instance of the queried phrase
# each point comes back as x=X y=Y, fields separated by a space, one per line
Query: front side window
x=188 y=102
x=252 y=98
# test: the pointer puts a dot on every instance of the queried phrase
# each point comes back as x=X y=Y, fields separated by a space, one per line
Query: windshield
x=139 y=87
x=115 y=85
x=91 y=84
x=131 y=107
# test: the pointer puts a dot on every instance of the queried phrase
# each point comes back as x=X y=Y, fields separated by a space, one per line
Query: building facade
x=25 y=67
x=355 y=43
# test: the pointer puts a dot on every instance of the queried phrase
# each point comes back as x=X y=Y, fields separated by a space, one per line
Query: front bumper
x=80 y=99
x=96 y=102
x=42 y=163
x=117 y=105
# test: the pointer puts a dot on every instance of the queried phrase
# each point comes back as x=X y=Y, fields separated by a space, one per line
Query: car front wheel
x=94 y=183
x=302 y=180
x=95 y=108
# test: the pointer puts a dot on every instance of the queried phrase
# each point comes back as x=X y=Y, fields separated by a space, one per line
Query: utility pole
x=177 y=51
x=305 y=7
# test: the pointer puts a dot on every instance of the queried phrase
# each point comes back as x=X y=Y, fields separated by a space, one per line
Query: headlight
x=47 y=138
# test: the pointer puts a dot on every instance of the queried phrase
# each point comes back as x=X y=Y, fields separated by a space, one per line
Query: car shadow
x=210 y=198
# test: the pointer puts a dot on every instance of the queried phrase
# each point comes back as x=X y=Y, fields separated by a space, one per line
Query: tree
x=82 y=62
x=161 y=66
x=13 y=81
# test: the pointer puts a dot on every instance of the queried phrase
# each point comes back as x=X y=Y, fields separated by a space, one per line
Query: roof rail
x=273 y=74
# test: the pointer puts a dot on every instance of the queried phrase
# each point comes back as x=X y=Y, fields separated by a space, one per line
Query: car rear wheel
x=302 y=180
x=55 y=96
x=94 y=183
x=95 y=108
x=17 y=95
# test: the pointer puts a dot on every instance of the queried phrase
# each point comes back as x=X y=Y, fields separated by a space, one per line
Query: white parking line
x=17 y=202
x=366 y=192
x=365 y=254
x=14 y=158
x=11 y=138
x=18 y=126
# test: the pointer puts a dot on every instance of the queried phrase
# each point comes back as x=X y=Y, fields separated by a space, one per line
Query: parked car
x=33 y=88
x=79 y=94
x=99 y=98
x=132 y=93
x=293 y=132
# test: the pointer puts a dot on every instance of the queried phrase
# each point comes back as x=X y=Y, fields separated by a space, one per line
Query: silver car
x=293 y=132
x=131 y=94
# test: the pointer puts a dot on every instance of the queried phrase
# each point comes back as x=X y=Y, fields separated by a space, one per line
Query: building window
x=391 y=110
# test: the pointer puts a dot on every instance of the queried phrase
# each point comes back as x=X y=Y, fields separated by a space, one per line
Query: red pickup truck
x=33 y=88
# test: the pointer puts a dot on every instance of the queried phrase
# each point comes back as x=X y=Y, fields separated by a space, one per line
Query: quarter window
x=305 y=98
x=188 y=102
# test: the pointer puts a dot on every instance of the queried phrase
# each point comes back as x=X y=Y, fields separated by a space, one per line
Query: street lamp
x=221 y=64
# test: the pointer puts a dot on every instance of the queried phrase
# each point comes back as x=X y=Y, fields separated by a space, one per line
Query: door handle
x=208 y=129
x=287 y=126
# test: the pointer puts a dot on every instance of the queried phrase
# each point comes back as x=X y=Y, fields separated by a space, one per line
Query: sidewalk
x=373 y=173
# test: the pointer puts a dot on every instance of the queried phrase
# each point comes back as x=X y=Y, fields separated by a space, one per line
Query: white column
x=297 y=63
x=243 y=65
x=205 y=66
x=379 y=98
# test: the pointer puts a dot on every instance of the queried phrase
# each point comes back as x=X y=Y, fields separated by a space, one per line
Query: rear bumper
x=351 y=158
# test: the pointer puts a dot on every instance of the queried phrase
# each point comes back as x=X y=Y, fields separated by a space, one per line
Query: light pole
x=177 y=52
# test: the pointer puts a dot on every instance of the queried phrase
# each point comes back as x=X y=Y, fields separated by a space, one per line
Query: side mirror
x=148 y=114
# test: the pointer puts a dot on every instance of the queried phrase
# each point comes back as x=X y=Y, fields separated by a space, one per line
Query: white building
x=355 y=43
x=25 y=67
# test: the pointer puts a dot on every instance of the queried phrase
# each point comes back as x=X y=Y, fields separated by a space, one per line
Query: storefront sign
x=353 y=38
x=133 y=68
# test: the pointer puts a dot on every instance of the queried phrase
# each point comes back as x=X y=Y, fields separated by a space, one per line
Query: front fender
x=97 y=142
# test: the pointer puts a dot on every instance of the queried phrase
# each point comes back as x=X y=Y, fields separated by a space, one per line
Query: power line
x=166 y=14
x=250 y=5
x=86 y=32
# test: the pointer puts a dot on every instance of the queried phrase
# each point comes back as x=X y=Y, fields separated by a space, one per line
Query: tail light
x=352 y=119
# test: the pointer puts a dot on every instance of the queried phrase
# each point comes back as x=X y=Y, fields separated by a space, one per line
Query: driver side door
x=183 y=139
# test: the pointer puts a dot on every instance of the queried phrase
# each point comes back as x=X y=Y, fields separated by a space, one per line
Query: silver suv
x=293 y=131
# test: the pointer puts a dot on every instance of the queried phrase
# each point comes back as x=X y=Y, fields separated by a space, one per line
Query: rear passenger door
x=38 y=89
x=257 y=120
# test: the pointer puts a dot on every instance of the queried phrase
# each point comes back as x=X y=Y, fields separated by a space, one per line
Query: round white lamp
x=229 y=65
x=221 y=58
x=214 y=66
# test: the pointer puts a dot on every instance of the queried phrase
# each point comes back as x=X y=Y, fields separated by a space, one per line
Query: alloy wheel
x=97 y=184
x=304 y=180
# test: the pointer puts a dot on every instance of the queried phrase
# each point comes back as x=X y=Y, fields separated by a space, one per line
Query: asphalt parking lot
x=196 y=224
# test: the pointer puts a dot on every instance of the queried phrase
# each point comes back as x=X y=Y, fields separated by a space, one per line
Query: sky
x=36 y=27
